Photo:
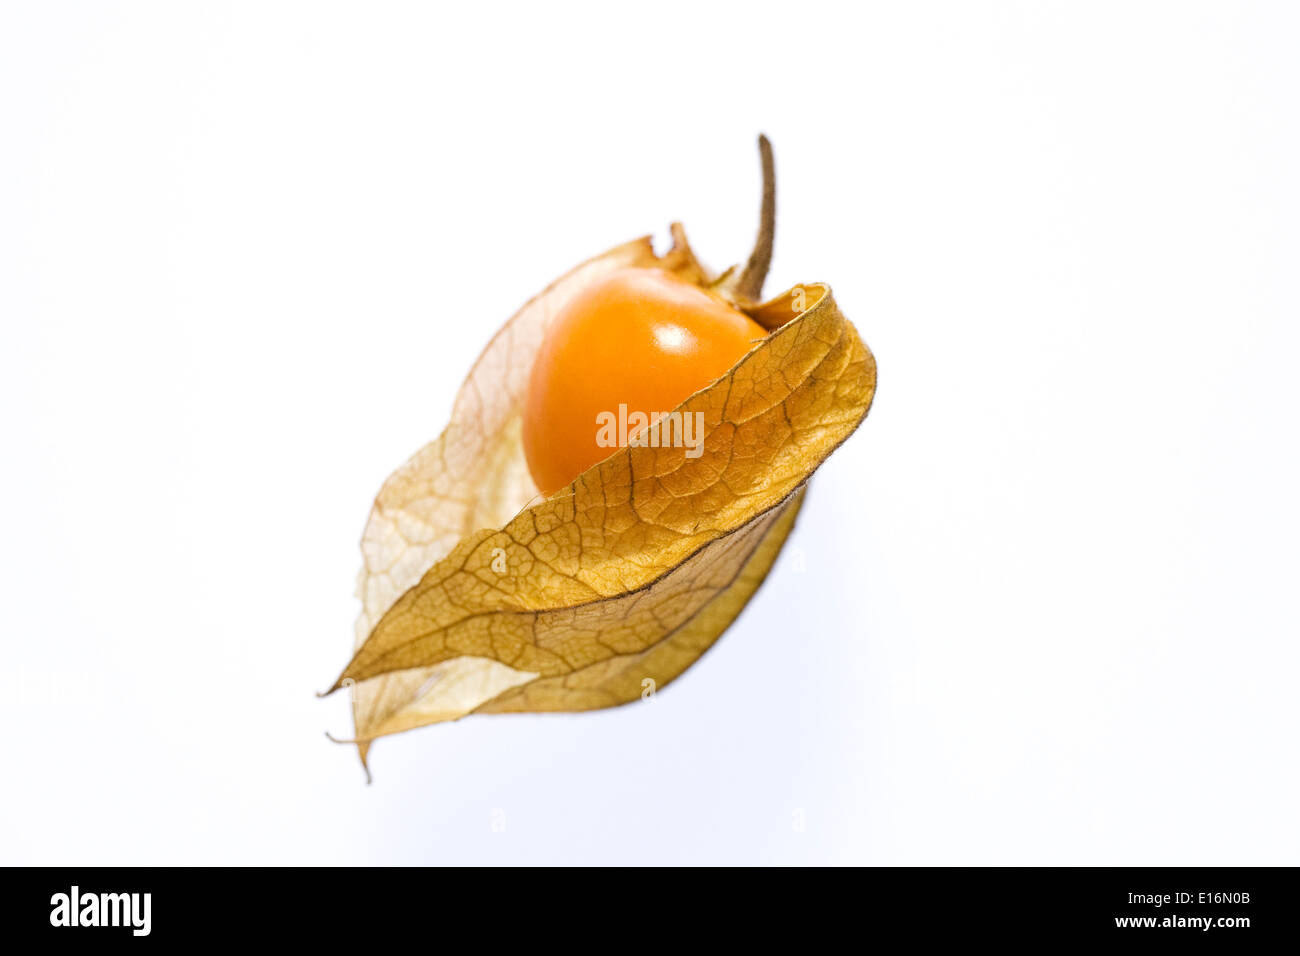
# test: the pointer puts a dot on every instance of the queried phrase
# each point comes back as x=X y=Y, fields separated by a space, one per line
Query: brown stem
x=750 y=284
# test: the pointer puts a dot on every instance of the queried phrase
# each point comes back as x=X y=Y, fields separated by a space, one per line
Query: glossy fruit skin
x=643 y=338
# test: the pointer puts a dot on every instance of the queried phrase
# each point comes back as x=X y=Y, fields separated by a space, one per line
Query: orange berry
x=642 y=338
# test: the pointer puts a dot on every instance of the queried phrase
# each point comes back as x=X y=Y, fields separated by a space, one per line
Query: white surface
x=1048 y=610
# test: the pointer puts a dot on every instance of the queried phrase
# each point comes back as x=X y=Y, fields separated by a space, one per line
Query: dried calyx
x=480 y=596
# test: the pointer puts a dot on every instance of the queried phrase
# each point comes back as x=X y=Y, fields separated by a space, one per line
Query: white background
x=1047 y=605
